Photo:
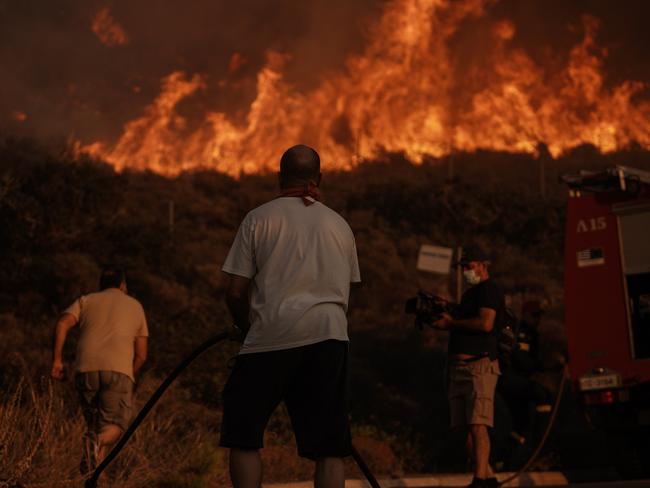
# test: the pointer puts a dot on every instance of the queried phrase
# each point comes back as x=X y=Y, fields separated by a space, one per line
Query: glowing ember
x=400 y=94
x=237 y=61
x=108 y=30
x=19 y=116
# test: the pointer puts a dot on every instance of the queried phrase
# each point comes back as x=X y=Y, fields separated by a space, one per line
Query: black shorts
x=313 y=382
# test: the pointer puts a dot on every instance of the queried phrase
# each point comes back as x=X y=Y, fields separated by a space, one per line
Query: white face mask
x=471 y=277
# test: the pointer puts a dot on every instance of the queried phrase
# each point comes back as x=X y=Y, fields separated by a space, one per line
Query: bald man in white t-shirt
x=290 y=269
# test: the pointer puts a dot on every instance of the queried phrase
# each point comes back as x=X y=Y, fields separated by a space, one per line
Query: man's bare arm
x=140 y=347
x=238 y=301
x=66 y=322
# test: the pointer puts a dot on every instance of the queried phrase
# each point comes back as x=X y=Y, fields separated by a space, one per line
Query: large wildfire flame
x=401 y=94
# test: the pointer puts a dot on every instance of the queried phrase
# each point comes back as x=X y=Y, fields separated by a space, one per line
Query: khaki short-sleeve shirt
x=109 y=322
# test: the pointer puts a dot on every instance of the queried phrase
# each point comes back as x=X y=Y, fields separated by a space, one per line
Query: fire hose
x=92 y=481
x=547 y=431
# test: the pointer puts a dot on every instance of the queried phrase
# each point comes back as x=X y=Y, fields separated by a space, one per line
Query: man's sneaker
x=90 y=454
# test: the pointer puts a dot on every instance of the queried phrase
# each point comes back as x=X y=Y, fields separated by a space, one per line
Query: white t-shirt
x=301 y=260
x=109 y=322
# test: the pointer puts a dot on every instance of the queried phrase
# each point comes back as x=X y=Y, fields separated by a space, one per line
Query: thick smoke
x=67 y=80
x=62 y=77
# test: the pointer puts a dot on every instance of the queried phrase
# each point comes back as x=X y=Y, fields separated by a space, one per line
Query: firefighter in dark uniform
x=528 y=400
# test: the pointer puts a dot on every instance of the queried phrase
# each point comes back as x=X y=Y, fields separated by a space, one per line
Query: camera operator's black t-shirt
x=486 y=294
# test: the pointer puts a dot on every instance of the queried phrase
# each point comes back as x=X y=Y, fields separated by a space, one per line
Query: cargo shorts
x=471 y=392
x=106 y=399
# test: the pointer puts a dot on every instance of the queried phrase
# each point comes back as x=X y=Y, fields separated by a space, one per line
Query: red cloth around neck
x=309 y=193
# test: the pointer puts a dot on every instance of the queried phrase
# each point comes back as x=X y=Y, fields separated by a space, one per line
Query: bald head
x=299 y=165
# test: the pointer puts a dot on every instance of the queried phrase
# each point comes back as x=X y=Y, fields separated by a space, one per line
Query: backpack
x=507 y=338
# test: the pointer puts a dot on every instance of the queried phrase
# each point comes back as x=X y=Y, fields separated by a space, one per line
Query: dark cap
x=473 y=253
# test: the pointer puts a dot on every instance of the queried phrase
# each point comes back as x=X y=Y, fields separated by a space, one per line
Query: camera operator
x=473 y=365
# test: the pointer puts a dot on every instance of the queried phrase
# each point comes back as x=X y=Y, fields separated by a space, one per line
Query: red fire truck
x=607 y=294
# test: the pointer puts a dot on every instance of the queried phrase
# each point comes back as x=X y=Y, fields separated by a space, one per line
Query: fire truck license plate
x=599 y=382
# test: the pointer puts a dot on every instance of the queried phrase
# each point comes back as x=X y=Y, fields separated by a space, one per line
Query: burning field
x=397 y=96
x=421 y=77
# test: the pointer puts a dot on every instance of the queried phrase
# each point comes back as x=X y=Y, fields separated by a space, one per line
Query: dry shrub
x=25 y=422
x=280 y=453
x=41 y=438
x=282 y=463
x=175 y=446
x=377 y=454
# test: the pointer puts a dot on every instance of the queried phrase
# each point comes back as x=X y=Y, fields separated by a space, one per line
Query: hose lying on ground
x=92 y=481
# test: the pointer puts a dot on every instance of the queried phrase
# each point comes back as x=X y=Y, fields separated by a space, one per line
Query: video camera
x=427 y=308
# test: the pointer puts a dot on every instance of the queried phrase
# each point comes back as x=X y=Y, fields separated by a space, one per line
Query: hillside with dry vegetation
x=63 y=218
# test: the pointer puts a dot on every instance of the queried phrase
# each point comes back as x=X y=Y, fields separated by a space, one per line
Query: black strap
x=472 y=359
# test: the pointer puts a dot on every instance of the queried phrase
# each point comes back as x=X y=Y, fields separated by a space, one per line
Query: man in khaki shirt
x=112 y=348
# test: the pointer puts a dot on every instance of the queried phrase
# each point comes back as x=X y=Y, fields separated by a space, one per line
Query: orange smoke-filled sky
x=84 y=69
